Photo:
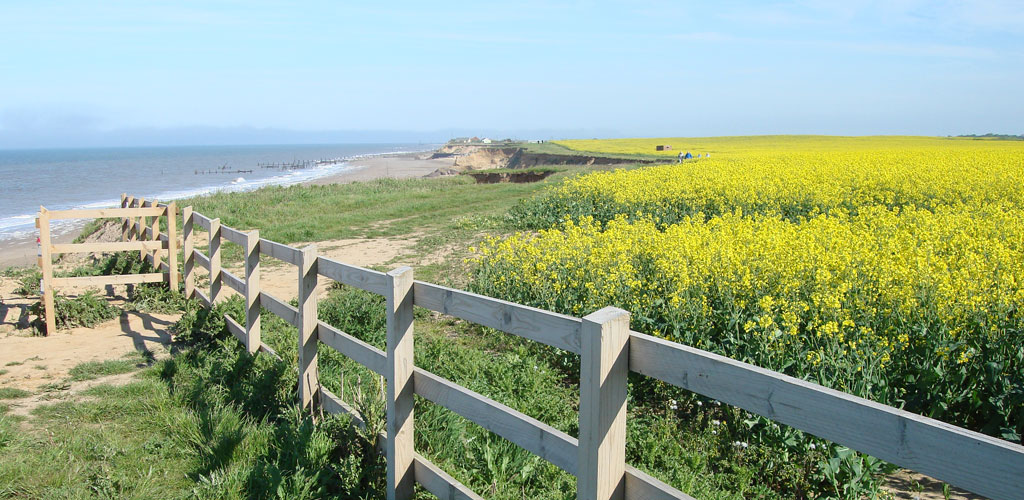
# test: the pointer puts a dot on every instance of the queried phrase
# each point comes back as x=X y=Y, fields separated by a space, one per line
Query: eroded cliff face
x=510 y=176
x=488 y=158
x=473 y=157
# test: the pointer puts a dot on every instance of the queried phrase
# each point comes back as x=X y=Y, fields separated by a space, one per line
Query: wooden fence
x=145 y=236
x=608 y=350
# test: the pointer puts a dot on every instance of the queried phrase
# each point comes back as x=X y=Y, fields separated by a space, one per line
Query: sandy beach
x=395 y=166
x=22 y=251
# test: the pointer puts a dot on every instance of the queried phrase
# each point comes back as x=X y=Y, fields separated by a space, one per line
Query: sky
x=110 y=73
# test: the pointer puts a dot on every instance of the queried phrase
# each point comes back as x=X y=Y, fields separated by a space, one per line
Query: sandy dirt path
x=30 y=362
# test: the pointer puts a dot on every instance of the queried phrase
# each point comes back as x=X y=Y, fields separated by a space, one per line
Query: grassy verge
x=558 y=149
x=379 y=208
x=13 y=393
x=97 y=369
x=445 y=215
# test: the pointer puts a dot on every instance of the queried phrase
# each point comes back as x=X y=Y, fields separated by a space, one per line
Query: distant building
x=486 y=141
x=662 y=147
x=475 y=139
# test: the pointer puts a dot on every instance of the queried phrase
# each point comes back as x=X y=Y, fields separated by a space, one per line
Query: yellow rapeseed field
x=805 y=177
x=887 y=267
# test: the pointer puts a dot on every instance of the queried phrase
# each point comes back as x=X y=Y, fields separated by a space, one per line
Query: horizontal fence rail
x=970 y=460
x=608 y=350
x=553 y=329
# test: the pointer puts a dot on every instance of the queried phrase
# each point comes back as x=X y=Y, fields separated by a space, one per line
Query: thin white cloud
x=707 y=36
x=892 y=48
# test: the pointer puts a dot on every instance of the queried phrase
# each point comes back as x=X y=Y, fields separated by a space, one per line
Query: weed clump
x=86 y=310
x=13 y=393
x=156 y=298
x=28 y=282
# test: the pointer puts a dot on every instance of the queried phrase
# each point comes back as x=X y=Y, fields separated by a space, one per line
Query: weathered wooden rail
x=140 y=223
x=609 y=350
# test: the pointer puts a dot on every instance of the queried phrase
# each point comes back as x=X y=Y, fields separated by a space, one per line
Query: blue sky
x=117 y=72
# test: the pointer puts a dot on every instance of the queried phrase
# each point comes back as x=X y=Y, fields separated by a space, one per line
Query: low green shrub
x=156 y=298
x=86 y=310
x=28 y=282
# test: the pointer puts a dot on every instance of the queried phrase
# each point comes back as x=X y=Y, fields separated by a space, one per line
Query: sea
x=62 y=179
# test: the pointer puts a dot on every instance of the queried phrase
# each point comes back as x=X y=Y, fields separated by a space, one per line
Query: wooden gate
x=140 y=231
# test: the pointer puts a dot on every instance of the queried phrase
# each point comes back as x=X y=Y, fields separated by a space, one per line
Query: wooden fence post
x=309 y=378
x=172 y=245
x=253 y=339
x=215 y=282
x=46 y=265
x=124 y=220
x=399 y=370
x=156 y=238
x=140 y=229
x=188 y=257
x=604 y=371
x=129 y=231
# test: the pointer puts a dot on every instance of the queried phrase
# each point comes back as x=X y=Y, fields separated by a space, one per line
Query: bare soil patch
x=31 y=362
x=282 y=281
x=910 y=485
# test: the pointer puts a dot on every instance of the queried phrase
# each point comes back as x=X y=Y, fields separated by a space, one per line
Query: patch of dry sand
x=282 y=280
x=32 y=361
x=909 y=485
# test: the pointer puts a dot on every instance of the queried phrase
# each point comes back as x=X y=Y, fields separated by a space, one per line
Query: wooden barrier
x=187 y=249
x=604 y=370
x=253 y=336
x=609 y=351
x=309 y=377
x=216 y=279
x=398 y=371
x=248 y=287
x=147 y=230
x=133 y=236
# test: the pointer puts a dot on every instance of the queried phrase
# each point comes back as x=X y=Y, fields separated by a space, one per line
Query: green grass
x=90 y=228
x=558 y=149
x=14 y=363
x=13 y=393
x=383 y=207
x=96 y=369
x=444 y=213
x=4 y=372
x=213 y=422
